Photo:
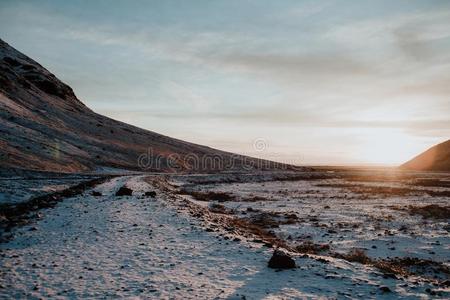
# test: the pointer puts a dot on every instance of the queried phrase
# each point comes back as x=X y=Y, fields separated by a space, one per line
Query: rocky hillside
x=437 y=158
x=43 y=126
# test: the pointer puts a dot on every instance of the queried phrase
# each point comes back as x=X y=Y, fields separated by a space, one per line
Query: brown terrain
x=437 y=158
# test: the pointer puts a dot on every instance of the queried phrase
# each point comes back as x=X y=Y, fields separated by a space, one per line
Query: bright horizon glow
x=388 y=147
x=324 y=83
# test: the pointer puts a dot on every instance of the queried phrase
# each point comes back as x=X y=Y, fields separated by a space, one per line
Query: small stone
x=281 y=260
x=446 y=283
x=390 y=275
x=124 y=191
x=150 y=194
x=385 y=289
x=430 y=291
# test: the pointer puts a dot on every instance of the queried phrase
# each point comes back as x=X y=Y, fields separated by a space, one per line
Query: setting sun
x=388 y=146
x=227 y=149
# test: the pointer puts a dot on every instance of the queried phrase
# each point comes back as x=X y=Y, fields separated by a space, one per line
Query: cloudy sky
x=319 y=82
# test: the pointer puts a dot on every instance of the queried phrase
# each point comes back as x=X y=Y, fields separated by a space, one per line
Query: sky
x=302 y=82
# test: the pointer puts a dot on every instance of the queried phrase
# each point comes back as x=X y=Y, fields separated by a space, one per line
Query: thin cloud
x=297 y=66
x=311 y=67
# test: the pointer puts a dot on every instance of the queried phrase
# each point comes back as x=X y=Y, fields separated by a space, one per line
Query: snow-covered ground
x=15 y=190
x=138 y=246
x=345 y=219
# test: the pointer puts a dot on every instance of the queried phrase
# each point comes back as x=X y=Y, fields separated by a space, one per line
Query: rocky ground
x=164 y=241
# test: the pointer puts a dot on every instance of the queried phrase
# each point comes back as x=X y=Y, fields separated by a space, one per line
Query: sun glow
x=388 y=146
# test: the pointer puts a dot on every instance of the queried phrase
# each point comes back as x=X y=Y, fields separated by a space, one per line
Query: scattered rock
x=96 y=194
x=390 y=275
x=150 y=194
x=124 y=191
x=446 y=282
x=219 y=209
x=385 y=289
x=431 y=211
x=281 y=260
x=312 y=248
x=430 y=291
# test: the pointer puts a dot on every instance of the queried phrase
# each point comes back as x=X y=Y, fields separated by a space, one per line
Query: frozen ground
x=381 y=225
x=108 y=246
x=19 y=189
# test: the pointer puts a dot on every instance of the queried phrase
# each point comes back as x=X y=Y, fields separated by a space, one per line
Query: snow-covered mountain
x=437 y=158
x=43 y=126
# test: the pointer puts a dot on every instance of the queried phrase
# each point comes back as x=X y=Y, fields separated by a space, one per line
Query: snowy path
x=110 y=246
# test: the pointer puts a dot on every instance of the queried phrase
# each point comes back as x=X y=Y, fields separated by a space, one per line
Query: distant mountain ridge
x=437 y=158
x=43 y=126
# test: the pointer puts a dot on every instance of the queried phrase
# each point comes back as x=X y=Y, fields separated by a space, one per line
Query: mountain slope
x=437 y=158
x=43 y=126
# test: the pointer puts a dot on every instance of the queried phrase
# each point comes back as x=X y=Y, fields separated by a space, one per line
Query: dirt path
x=128 y=246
